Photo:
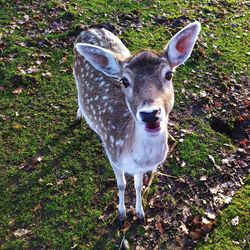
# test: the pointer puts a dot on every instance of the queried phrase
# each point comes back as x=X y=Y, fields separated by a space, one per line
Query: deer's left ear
x=181 y=45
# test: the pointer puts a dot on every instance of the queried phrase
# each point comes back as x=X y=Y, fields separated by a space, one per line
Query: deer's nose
x=150 y=117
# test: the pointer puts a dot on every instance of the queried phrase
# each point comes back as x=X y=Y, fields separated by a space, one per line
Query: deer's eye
x=125 y=82
x=169 y=75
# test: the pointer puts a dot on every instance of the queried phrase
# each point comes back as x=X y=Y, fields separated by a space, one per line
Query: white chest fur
x=146 y=153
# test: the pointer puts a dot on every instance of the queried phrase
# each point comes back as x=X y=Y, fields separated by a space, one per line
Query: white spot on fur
x=111 y=139
x=105 y=98
x=105 y=136
x=119 y=142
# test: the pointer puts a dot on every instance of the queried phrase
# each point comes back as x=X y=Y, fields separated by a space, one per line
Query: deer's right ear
x=181 y=45
x=102 y=59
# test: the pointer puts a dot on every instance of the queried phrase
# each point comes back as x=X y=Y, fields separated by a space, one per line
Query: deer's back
x=100 y=97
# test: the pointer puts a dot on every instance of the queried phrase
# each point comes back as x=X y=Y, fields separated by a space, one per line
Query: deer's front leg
x=121 y=184
x=138 y=182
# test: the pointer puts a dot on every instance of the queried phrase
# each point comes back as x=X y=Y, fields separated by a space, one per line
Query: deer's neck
x=149 y=149
x=141 y=152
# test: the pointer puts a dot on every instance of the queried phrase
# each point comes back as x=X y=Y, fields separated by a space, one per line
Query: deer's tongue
x=153 y=126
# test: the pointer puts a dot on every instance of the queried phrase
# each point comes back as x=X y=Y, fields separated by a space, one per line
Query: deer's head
x=146 y=77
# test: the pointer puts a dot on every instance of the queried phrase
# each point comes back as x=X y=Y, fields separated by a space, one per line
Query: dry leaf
x=159 y=227
x=21 y=232
x=200 y=228
x=203 y=178
x=214 y=190
x=203 y=93
x=205 y=220
x=37 y=159
x=125 y=227
x=210 y=215
x=183 y=228
x=37 y=207
x=59 y=182
x=244 y=142
x=17 y=91
x=17 y=126
x=23 y=166
x=228 y=199
x=235 y=221
x=214 y=163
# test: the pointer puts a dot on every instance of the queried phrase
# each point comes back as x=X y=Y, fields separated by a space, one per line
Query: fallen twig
x=145 y=192
x=168 y=175
x=172 y=148
x=123 y=238
x=171 y=138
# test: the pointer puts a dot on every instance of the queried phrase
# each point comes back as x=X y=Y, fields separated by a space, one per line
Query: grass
x=226 y=234
x=62 y=198
x=196 y=150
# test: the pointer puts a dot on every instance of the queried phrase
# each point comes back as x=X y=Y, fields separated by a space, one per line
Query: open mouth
x=153 y=127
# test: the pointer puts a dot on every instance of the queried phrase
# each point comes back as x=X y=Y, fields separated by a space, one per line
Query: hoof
x=121 y=220
x=121 y=217
x=141 y=218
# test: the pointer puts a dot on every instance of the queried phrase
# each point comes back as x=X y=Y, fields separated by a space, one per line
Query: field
x=57 y=189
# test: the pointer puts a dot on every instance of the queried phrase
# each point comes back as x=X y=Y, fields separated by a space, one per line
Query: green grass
x=226 y=234
x=61 y=198
x=196 y=149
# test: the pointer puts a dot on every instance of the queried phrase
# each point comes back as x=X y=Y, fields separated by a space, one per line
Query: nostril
x=150 y=117
x=156 y=112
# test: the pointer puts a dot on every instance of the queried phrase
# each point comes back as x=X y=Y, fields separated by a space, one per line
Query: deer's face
x=147 y=80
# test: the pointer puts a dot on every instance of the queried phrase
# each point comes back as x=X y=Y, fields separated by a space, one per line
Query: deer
x=126 y=99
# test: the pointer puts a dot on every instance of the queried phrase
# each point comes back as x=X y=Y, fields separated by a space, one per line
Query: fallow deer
x=126 y=99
